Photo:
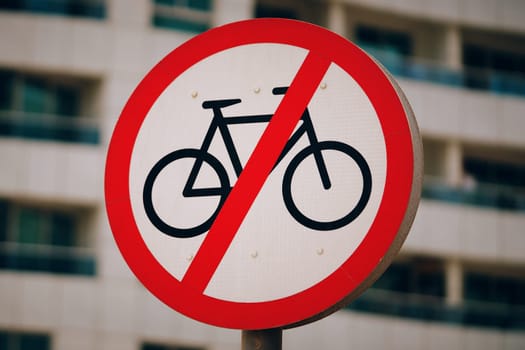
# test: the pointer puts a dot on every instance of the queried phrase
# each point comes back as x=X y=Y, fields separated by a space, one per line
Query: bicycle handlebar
x=212 y=104
x=280 y=90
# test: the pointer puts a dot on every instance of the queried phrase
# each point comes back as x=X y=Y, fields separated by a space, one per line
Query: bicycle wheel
x=348 y=217
x=221 y=191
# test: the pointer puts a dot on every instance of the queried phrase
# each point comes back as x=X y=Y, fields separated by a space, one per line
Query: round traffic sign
x=262 y=175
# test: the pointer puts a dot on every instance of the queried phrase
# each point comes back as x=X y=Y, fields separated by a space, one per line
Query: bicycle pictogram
x=201 y=155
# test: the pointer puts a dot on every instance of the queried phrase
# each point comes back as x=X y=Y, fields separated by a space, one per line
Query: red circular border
x=327 y=295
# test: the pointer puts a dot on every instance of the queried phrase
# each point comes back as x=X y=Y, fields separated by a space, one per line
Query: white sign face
x=263 y=175
x=272 y=254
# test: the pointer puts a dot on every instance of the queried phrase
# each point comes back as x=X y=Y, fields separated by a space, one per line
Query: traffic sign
x=263 y=175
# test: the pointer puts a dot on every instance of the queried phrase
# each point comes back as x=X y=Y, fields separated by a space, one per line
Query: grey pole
x=264 y=339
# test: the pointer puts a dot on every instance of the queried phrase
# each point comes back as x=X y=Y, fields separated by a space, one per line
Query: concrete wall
x=112 y=310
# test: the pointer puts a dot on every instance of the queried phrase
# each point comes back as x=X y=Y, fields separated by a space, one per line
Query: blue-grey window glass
x=155 y=346
x=14 y=340
x=204 y=5
x=30 y=226
x=67 y=101
x=3 y=221
x=34 y=342
x=493 y=69
x=36 y=98
x=416 y=277
x=265 y=10
x=77 y=8
x=388 y=40
x=63 y=226
x=44 y=108
x=195 y=20
x=496 y=172
x=494 y=289
x=6 y=89
x=42 y=240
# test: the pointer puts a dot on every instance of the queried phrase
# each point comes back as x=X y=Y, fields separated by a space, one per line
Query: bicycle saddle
x=220 y=103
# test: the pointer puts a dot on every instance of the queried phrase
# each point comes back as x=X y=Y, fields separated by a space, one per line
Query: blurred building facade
x=67 y=68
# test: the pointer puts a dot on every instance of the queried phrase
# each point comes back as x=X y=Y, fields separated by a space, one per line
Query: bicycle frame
x=221 y=123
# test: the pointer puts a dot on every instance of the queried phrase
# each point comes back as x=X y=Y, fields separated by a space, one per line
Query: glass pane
x=84 y=266
x=204 y=5
x=64 y=265
x=4 y=340
x=179 y=23
x=6 y=262
x=94 y=9
x=149 y=346
x=62 y=229
x=67 y=101
x=36 y=97
x=34 y=342
x=3 y=221
x=494 y=289
x=30 y=226
x=11 y=5
x=367 y=35
x=391 y=41
x=495 y=172
x=153 y=347
x=396 y=278
x=518 y=294
x=431 y=283
x=32 y=260
x=263 y=11
x=475 y=56
x=45 y=6
x=166 y=2
x=7 y=80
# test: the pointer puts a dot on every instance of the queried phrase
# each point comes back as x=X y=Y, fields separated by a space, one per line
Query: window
x=421 y=276
x=24 y=341
x=494 y=299
x=45 y=108
x=307 y=10
x=491 y=171
x=186 y=15
x=496 y=183
x=388 y=46
x=153 y=346
x=412 y=288
x=75 y=8
x=415 y=288
x=264 y=10
x=493 y=178
x=494 y=69
x=388 y=40
x=43 y=239
x=494 y=288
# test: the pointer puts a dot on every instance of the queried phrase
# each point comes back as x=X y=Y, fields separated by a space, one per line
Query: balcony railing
x=430 y=308
x=77 y=8
x=426 y=70
x=477 y=194
x=49 y=127
x=47 y=258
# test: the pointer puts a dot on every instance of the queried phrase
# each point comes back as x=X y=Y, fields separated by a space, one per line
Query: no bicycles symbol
x=262 y=175
x=199 y=156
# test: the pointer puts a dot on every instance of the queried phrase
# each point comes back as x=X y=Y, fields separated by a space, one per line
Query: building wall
x=111 y=310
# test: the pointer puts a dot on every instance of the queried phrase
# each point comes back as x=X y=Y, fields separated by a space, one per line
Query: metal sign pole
x=264 y=339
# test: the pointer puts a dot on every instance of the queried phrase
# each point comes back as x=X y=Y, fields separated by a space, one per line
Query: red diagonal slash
x=256 y=171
